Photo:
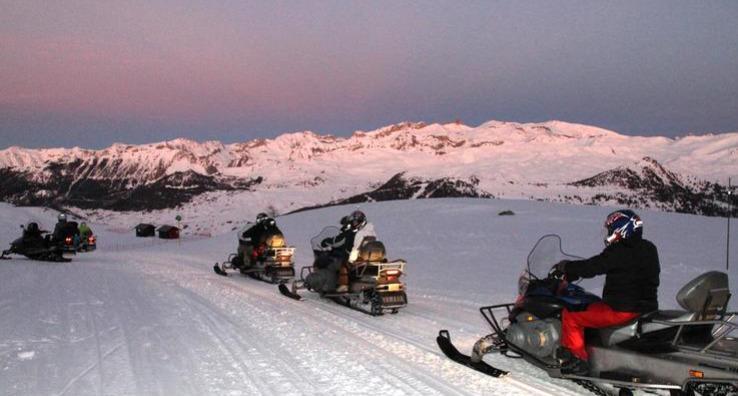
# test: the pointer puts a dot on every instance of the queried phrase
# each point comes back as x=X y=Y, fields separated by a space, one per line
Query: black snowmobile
x=374 y=282
x=681 y=352
x=35 y=246
x=273 y=261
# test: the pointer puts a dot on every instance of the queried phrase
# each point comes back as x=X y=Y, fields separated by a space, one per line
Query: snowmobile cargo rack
x=361 y=269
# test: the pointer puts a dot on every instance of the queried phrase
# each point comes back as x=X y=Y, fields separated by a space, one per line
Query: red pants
x=596 y=316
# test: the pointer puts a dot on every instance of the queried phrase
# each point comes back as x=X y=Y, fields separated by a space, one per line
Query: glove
x=558 y=271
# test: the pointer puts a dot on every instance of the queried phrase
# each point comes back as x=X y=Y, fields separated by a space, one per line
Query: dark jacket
x=258 y=234
x=632 y=269
x=64 y=229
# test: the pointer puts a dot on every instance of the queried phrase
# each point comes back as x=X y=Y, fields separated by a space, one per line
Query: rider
x=631 y=266
x=355 y=228
x=337 y=253
x=64 y=229
x=84 y=231
x=32 y=235
x=252 y=239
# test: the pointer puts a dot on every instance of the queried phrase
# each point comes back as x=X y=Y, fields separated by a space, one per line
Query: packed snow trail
x=155 y=320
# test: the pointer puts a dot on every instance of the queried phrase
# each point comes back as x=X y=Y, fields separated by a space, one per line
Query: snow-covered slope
x=500 y=159
x=147 y=317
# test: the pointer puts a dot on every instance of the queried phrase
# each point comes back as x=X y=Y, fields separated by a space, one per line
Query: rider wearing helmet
x=64 y=228
x=354 y=228
x=252 y=238
x=631 y=266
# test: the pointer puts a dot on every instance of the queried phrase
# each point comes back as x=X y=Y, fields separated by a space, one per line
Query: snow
x=146 y=316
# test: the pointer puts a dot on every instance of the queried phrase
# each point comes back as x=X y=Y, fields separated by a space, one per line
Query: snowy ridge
x=549 y=160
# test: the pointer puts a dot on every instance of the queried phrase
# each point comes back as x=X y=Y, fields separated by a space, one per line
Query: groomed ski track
x=151 y=318
x=153 y=328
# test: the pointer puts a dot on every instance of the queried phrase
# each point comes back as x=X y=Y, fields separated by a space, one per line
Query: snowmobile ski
x=288 y=293
x=219 y=270
x=448 y=349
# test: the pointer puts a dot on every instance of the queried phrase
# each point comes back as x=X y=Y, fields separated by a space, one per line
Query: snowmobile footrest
x=448 y=349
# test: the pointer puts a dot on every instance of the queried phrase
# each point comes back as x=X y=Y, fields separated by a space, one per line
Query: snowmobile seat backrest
x=275 y=241
x=372 y=251
x=707 y=294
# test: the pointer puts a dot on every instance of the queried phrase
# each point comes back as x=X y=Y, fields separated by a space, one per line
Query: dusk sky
x=91 y=73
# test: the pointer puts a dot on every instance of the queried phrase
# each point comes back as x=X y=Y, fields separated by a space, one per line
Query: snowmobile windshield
x=324 y=240
x=546 y=252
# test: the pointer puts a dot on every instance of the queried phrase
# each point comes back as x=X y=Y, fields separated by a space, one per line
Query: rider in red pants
x=631 y=266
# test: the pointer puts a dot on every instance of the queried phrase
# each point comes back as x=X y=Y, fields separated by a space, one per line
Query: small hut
x=168 y=232
x=145 y=230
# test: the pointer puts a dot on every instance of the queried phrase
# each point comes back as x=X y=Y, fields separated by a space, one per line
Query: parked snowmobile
x=34 y=246
x=682 y=352
x=274 y=261
x=374 y=282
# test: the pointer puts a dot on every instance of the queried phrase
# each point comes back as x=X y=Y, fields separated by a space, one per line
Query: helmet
x=62 y=217
x=357 y=220
x=622 y=224
x=261 y=217
x=32 y=227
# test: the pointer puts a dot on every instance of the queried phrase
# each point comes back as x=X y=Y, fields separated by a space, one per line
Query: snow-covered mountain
x=551 y=161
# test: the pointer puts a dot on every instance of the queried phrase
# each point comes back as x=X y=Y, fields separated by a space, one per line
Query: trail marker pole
x=730 y=213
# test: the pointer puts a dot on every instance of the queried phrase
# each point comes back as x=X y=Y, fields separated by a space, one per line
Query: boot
x=570 y=364
x=343 y=280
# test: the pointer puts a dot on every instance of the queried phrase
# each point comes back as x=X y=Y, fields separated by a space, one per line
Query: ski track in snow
x=151 y=318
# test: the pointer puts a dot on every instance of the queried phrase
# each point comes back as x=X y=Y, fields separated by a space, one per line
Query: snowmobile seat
x=643 y=325
x=703 y=298
x=275 y=241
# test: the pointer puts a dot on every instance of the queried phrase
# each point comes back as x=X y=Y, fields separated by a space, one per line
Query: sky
x=90 y=73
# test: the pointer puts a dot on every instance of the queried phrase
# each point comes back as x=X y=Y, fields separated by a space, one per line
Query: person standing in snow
x=631 y=266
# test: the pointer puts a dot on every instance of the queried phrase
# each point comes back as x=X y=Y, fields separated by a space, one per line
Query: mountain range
x=553 y=160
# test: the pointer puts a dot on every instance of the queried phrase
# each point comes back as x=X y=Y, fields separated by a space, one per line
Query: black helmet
x=62 y=217
x=261 y=217
x=32 y=227
x=357 y=220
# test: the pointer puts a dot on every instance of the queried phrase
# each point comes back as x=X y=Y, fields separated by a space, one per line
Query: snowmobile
x=67 y=237
x=680 y=351
x=34 y=246
x=87 y=244
x=374 y=282
x=274 y=262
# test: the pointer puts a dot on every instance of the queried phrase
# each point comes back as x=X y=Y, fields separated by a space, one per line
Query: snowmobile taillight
x=91 y=240
x=696 y=374
x=392 y=272
x=68 y=240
